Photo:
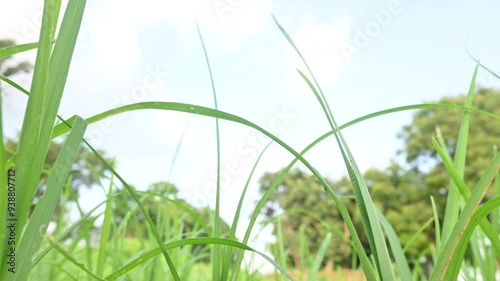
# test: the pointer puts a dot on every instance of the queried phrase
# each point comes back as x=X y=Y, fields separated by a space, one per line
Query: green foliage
x=484 y=135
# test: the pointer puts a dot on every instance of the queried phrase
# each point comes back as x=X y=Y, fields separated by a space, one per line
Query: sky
x=366 y=57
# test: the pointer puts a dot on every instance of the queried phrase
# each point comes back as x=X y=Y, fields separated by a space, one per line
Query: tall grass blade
x=217 y=255
x=281 y=252
x=456 y=237
x=465 y=193
x=72 y=259
x=479 y=215
x=437 y=225
x=319 y=257
x=365 y=204
x=50 y=73
x=236 y=219
x=105 y=230
x=177 y=149
x=31 y=154
x=453 y=197
x=397 y=251
x=495 y=217
x=44 y=210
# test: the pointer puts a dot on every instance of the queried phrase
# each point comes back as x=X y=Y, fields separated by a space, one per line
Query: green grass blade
x=321 y=98
x=319 y=257
x=236 y=219
x=31 y=154
x=14 y=84
x=72 y=259
x=365 y=204
x=177 y=149
x=418 y=106
x=191 y=241
x=397 y=251
x=418 y=233
x=479 y=215
x=217 y=254
x=282 y=254
x=450 y=246
x=465 y=193
x=105 y=231
x=483 y=66
x=50 y=73
x=495 y=217
x=44 y=210
x=61 y=129
x=12 y=50
x=437 y=225
x=453 y=198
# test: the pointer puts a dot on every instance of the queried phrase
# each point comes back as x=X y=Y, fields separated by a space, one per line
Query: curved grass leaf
x=191 y=241
x=453 y=197
x=44 y=210
x=478 y=216
x=72 y=259
x=61 y=129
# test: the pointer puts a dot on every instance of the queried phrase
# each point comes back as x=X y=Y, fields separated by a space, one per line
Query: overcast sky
x=367 y=57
